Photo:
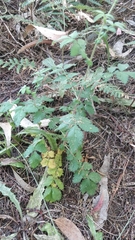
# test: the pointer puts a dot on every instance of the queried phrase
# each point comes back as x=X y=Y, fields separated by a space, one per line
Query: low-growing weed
x=65 y=131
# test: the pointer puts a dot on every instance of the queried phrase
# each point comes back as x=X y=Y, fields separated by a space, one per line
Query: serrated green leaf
x=85 y=185
x=67 y=119
x=122 y=67
x=74 y=51
x=89 y=108
x=75 y=160
x=7 y=192
x=86 y=125
x=74 y=165
x=75 y=138
x=62 y=126
x=111 y=69
x=41 y=147
x=49 y=62
x=56 y=194
x=59 y=184
x=30 y=107
x=78 y=48
x=35 y=160
x=5 y=106
x=66 y=41
x=96 y=99
x=19 y=115
x=74 y=34
x=122 y=76
x=86 y=166
x=31 y=148
x=95 y=177
x=88 y=186
x=38 y=116
x=48 y=181
x=107 y=76
x=126 y=102
x=78 y=176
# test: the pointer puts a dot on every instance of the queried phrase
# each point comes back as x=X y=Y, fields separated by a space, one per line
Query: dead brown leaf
x=28 y=29
x=51 y=33
x=32 y=44
x=69 y=229
x=101 y=202
x=7 y=131
x=22 y=183
x=82 y=15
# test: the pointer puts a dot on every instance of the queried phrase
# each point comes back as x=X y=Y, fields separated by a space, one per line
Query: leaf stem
x=113 y=5
x=104 y=22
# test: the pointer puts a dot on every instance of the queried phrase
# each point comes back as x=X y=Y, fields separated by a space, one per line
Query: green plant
x=96 y=235
x=66 y=130
x=71 y=125
x=53 y=184
x=7 y=192
x=22 y=64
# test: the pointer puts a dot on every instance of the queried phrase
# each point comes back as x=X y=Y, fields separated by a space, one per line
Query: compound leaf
x=86 y=125
x=75 y=138
x=95 y=177
x=88 y=186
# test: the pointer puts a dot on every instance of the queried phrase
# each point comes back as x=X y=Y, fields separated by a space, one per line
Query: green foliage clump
x=66 y=130
x=19 y=64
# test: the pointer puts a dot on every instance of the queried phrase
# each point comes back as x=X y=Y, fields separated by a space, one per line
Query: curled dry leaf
x=32 y=44
x=69 y=229
x=82 y=15
x=25 y=123
x=48 y=33
x=118 y=48
x=7 y=131
x=51 y=34
x=101 y=202
x=28 y=29
x=22 y=183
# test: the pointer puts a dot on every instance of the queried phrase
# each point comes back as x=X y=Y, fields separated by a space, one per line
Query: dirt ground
x=116 y=137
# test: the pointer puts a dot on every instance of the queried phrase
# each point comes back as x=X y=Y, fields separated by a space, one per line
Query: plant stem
x=113 y=5
x=104 y=22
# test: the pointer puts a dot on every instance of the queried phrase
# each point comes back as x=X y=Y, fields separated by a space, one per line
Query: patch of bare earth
x=116 y=137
